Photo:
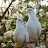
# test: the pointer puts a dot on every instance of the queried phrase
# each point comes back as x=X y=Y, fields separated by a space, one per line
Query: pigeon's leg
x=32 y=45
x=36 y=40
x=24 y=44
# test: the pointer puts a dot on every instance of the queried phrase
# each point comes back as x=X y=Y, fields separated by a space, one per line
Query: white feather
x=33 y=25
x=20 y=34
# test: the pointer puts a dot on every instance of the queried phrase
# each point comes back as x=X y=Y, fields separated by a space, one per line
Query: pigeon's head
x=30 y=10
x=20 y=20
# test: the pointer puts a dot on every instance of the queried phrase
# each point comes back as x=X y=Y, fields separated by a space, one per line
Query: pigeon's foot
x=15 y=46
x=31 y=41
x=24 y=44
x=36 y=40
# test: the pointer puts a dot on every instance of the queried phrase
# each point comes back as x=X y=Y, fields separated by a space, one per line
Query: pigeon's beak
x=26 y=11
x=22 y=21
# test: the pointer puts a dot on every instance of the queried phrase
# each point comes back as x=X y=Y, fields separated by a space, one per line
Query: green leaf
x=5 y=1
x=12 y=39
x=1 y=32
x=36 y=45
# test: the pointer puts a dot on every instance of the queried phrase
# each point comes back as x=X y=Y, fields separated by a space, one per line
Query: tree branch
x=6 y=10
x=1 y=17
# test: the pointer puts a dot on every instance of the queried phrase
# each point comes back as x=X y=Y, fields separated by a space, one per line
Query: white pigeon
x=20 y=34
x=33 y=25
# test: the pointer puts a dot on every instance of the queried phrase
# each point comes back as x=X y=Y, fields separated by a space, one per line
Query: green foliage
x=11 y=37
x=1 y=32
x=8 y=38
x=5 y=1
x=26 y=47
x=36 y=45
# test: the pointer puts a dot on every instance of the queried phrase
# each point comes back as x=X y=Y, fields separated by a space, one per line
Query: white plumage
x=20 y=34
x=33 y=25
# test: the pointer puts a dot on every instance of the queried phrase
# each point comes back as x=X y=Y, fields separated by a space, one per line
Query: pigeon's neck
x=19 y=24
x=32 y=17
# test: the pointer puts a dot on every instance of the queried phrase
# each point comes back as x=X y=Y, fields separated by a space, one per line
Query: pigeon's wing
x=27 y=37
x=15 y=35
x=39 y=32
x=39 y=29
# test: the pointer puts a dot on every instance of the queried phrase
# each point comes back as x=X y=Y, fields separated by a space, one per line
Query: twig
x=1 y=17
x=6 y=10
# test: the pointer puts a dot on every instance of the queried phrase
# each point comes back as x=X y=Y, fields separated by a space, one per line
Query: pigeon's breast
x=32 y=29
x=20 y=38
x=20 y=34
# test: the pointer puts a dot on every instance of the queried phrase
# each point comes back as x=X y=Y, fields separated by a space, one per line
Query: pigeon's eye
x=19 y=20
x=29 y=9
